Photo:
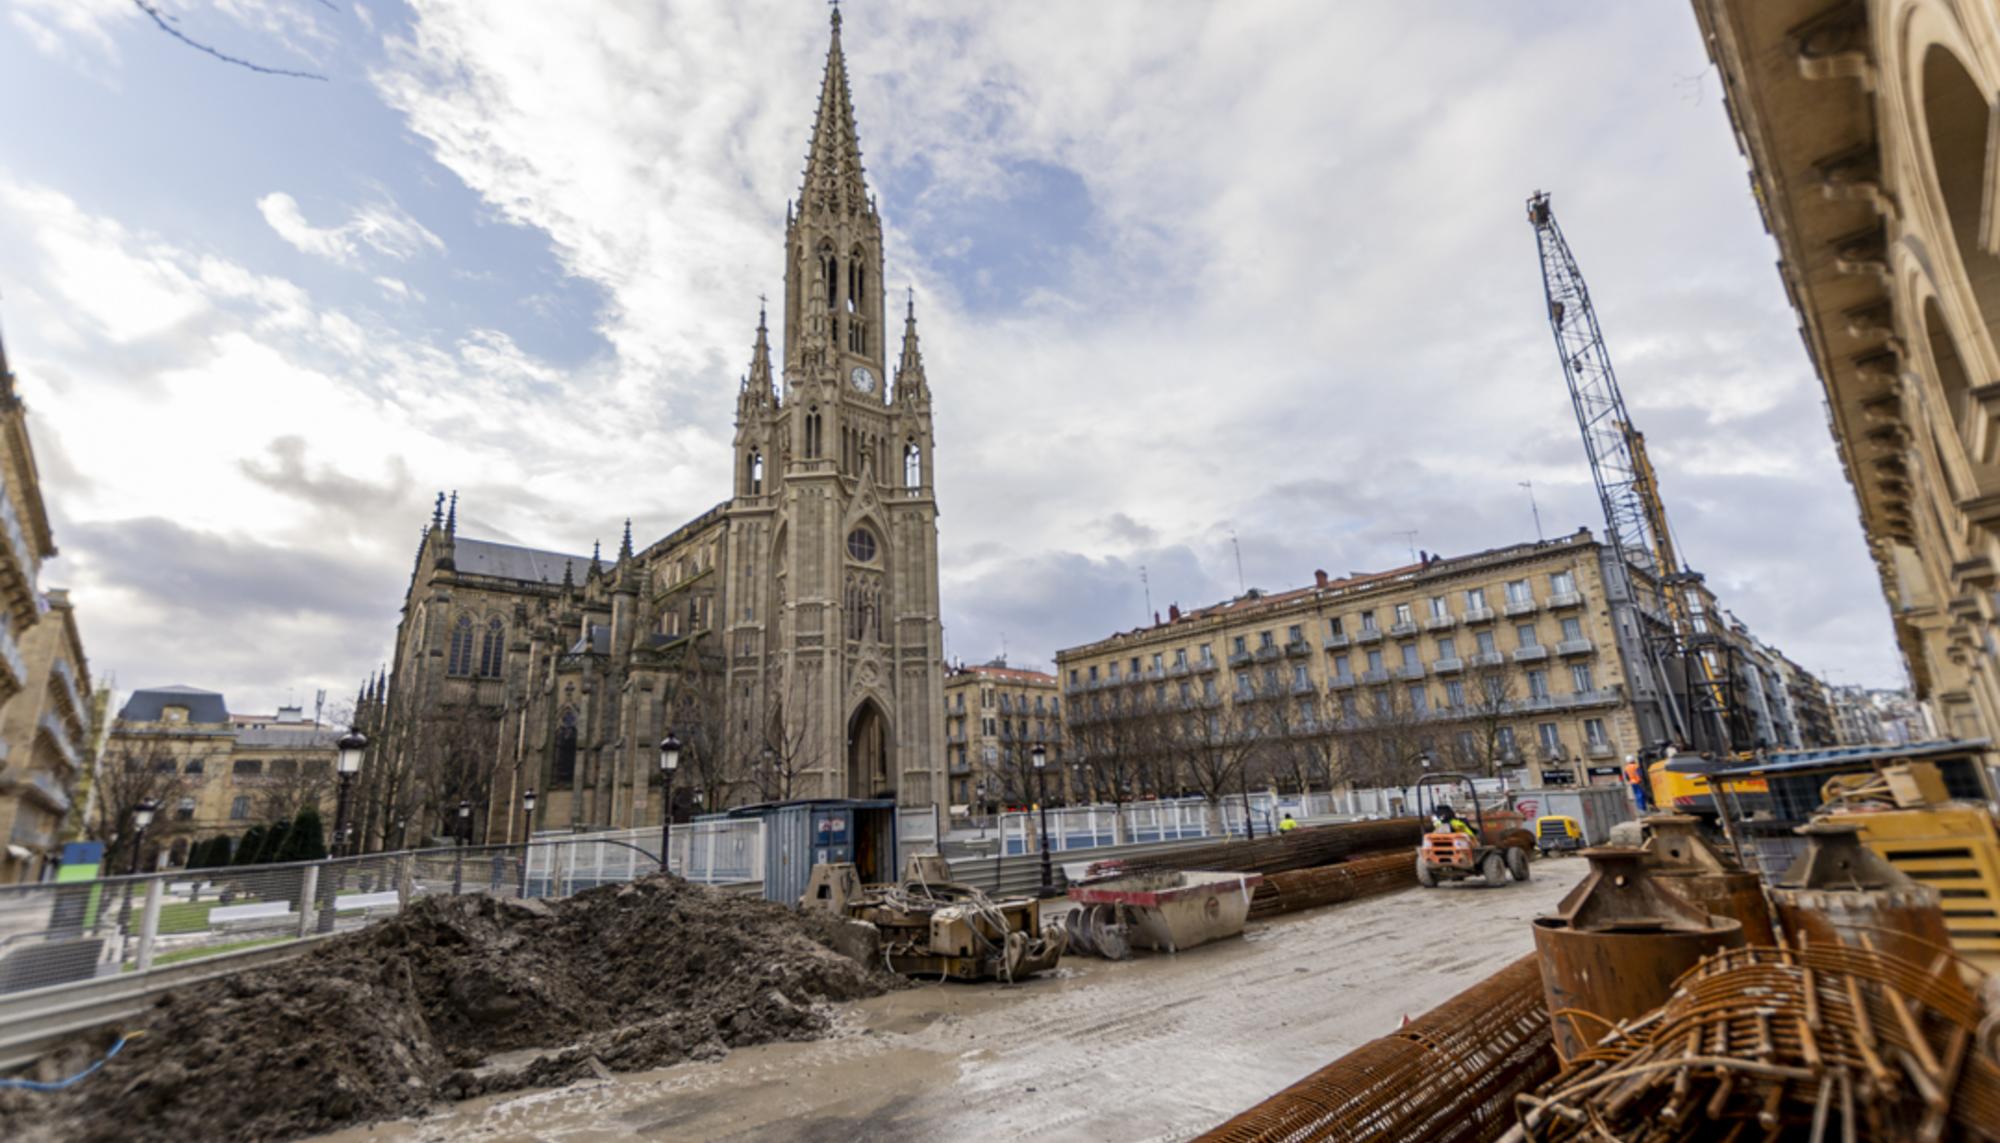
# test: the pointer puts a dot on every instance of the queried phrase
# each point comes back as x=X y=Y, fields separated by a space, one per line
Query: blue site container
x=799 y=835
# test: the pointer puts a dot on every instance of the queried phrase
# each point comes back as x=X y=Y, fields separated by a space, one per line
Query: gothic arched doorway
x=868 y=767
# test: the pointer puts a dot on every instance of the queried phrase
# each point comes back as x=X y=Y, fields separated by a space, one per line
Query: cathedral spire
x=437 y=512
x=757 y=387
x=910 y=385
x=833 y=180
x=451 y=518
x=625 y=545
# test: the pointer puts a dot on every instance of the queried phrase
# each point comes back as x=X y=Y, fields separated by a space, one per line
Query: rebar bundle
x=1450 y=1076
x=1785 y=1043
x=1303 y=848
x=1330 y=884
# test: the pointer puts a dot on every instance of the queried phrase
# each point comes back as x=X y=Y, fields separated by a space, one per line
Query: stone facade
x=994 y=716
x=1867 y=125
x=1508 y=659
x=45 y=718
x=210 y=772
x=789 y=636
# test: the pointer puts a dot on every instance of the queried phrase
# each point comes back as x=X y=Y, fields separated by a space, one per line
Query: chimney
x=1173 y=613
x=1319 y=577
x=1156 y=619
x=1423 y=557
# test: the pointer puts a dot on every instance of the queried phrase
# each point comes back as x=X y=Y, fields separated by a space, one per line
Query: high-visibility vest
x=1287 y=826
x=1632 y=773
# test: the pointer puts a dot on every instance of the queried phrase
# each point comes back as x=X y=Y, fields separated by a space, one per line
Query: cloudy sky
x=1184 y=270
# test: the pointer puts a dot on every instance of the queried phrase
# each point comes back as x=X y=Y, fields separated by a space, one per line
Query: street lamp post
x=981 y=791
x=670 y=761
x=142 y=816
x=353 y=746
x=1040 y=756
x=464 y=832
x=527 y=833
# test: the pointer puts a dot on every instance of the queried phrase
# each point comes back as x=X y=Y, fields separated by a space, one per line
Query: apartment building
x=995 y=715
x=45 y=722
x=1507 y=660
x=1867 y=127
x=208 y=771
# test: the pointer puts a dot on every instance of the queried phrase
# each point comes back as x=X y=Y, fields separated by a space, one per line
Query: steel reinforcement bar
x=1332 y=884
x=1449 y=1076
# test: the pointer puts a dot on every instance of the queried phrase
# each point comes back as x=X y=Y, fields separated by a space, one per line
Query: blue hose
x=61 y=1085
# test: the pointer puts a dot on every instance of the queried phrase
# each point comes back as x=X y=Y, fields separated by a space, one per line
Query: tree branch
x=166 y=25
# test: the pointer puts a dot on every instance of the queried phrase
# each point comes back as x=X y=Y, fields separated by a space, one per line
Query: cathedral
x=789 y=635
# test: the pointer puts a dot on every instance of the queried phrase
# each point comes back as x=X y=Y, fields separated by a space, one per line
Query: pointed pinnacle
x=451 y=519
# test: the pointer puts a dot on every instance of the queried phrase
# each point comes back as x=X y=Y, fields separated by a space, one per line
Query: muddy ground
x=458 y=997
x=1160 y=1048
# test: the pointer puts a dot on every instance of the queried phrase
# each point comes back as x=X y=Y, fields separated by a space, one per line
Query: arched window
x=755 y=475
x=1957 y=117
x=565 y=768
x=812 y=433
x=913 y=466
x=460 y=660
x=490 y=649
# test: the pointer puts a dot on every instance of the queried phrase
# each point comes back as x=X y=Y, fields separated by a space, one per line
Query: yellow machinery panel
x=1955 y=851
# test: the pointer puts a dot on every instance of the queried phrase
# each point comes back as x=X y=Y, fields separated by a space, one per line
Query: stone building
x=1868 y=128
x=995 y=715
x=212 y=772
x=789 y=635
x=45 y=719
x=1509 y=660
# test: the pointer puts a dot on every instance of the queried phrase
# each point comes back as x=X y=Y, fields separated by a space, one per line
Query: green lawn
x=213 y=950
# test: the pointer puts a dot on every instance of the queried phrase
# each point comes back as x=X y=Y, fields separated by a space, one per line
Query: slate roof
x=295 y=737
x=147 y=704
x=596 y=642
x=506 y=561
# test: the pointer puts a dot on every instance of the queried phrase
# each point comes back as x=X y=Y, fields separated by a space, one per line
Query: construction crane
x=1677 y=646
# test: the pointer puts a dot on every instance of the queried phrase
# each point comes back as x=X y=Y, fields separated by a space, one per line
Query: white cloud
x=381 y=227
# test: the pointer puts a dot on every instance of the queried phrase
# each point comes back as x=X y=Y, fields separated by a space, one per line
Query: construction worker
x=1286 y=824
x=1635 y=777
x=1448 y=821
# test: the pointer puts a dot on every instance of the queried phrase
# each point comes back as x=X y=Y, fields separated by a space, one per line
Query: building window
x=1402 y=614
x=1112 y=671
x=1208 y=688
x=1527 y=633
x=1518 y=591
x=1572 y=630
x=1593 y=732
x=1447 y=647
x=1503 y=738
x=1237 y=645
x=566 y=734
x=861 y=545
x=1579 y=678
x=1158 y=664
x=460 y=662
x=1410 y=659
x=491 y=647
x=1072 y=682
x=755 y=472
x=195 y=767
x=1187 y=692
x=1270 y=680
x=163 y=765
x=1538 y=684
x=239 y=807
x=1180 y=657
x=1419 y=699
x=1135 y=666
x=1242 y=684
x=1375 y=660
x=1384 y=703
x=1551 y=740
x=1333 y=627
x=284 y=767
x=184 y=812
x=1439 y=608
x=247 y=768
x=1350 y=710
x=1264 y=639
x=1299 y=676
x=1295 y=634
x=1454 y=693
x=1468 y=746
x=1368 y=621
x=913 y=466
x=1340 y=666
x=1562 y=583
x=1484 y=640
x=1475 y=599
x=1093 y=674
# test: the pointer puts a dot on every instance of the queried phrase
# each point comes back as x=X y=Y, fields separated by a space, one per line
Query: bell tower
x=835 y=468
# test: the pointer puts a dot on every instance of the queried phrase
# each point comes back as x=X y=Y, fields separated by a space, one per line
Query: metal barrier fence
x=62 y=932
x=1144 y=823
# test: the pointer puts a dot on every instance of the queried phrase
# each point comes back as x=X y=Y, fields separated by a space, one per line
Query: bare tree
x=1384 y=743
x=1211 y=743
x=788 y=746
x=292 y=784
x=455 y=751
x=1489 y=702
x=697 y=710
x=126 y=778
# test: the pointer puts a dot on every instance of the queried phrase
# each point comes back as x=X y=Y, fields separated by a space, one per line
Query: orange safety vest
x=1632 y=773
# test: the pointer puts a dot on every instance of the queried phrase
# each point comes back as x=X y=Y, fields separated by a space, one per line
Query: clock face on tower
x=864 y=380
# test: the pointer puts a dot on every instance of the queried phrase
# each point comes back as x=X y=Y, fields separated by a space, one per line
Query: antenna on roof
x=1533 y=507
x=1240 y=588
x=1148 y=586
x=1410 y=536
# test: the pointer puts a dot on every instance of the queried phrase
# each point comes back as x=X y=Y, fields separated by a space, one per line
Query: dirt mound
x=381 y=1023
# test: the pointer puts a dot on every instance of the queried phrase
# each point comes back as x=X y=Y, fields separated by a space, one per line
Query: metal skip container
x=1689 y=865
x=1615 y=945
x=1841 y=892
x=1167 y=910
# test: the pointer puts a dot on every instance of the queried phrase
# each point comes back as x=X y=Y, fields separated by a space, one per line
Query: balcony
x=1204 y=665
x=1447 y=666
x=23 y=565
x=1240 y=658
x=1340 y=682
x=1154 y=674
x=1562 y=600
x=1267 y=652
x=1441 y=623
x=45 y=787
x=1335 y=642
x=1410 y=671
x=1374 y=677
x=1298 y=647
x=1530 y=654
x=1368 y=635
x=1485 y=659
x=1303 y=687
x=15 y=674
x=1403 y=628
x=1598 y=748
x=1519 y=607
x=1575 y=647
x=1478 y=615
x=1178 y=670
x=58 y=736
